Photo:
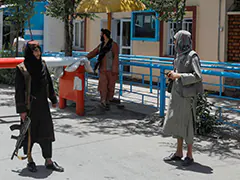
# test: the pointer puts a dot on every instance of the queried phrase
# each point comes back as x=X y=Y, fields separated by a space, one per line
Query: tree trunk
x=66 y=28
x=17 y=33
x=71 y=27
x=29 y=22
x=67 y=37
x=71 y=36
x=29 y=27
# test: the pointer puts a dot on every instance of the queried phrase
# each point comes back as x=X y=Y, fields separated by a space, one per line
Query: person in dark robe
x=108 y=63
x=41 y=88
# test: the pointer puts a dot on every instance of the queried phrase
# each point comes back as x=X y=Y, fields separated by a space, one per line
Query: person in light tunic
x=21 y=43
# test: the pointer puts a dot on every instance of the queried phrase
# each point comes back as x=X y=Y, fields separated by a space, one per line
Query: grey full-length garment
x=181 y=112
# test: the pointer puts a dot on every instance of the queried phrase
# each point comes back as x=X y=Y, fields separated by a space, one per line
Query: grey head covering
x=183 y=43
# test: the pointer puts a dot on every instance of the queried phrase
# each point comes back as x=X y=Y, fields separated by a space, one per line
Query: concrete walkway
x=116 y=145
x=150 y=99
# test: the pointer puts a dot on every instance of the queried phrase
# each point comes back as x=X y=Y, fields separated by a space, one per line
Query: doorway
x=121 y=33
x=125 y=44
x=125 y=37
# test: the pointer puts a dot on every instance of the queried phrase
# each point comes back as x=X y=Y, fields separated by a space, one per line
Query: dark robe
x=41 y=90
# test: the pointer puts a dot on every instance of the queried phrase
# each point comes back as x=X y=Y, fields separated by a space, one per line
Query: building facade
x=214 y=24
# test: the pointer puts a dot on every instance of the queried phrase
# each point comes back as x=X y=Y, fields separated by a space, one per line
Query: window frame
x=80 y=34
x=168 y=44
x=193 y=10
x=157 y=27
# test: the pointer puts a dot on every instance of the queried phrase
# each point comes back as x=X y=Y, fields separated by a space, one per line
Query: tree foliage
x=173 y=10
x=21 y=11
x=62 y=9
x=65 y=10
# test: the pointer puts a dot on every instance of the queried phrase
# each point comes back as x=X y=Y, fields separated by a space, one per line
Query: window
x=145 y=26
x=186 y=25
x=78 y=34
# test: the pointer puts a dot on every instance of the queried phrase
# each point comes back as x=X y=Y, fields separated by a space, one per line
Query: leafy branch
x=65 y=10
x=168 y=10
x=206 y=121
x=21 y=11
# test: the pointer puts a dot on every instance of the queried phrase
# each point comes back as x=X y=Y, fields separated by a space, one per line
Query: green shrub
x=7 y=52
x=7 y=76
x=206 y=120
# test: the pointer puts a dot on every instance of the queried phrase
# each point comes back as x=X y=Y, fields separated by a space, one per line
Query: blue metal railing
x=162 y=64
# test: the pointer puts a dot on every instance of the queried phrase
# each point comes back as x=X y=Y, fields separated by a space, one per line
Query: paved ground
x=117 y=145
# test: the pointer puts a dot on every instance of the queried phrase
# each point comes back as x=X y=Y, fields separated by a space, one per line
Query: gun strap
x=29 y=144
x=21 y=157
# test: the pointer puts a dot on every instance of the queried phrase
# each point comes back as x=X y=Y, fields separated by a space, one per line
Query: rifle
x=22 y=134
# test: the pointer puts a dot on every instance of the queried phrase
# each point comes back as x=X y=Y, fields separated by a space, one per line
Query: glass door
x=125 y=39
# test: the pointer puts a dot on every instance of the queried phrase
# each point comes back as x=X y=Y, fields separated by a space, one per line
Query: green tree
x=65 y=10
x=173 y=10
x=21 y=12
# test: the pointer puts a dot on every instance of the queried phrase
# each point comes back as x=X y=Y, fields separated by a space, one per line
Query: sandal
x=107 y=107
x=173 y=157
x=55 y=167
x=187 y=161
x=104 y=106
x=32 y=167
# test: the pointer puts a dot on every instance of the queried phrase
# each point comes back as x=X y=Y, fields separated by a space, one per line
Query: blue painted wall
x=37 y=24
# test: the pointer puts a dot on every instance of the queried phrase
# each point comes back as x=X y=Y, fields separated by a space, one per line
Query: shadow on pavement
x=125 y=122
x=114 y=122
x=7 y=96
x=3 y=121
x=117 y=121
x=221 y=147
x=195 y=167
x=124 y=126
x=42 y=173
x=7 y=102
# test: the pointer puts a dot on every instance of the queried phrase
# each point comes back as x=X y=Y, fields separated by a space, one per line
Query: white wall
x=53 y=34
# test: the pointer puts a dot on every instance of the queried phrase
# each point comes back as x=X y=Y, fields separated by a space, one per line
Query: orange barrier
x=67 y=91
x=66 y=84
x=6 y=63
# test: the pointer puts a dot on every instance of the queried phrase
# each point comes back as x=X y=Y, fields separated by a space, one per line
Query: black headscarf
x=34 y=66
x=104 y=49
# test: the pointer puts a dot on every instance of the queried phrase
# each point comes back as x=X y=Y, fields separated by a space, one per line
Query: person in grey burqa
x=187 y=83
x=37 y=108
